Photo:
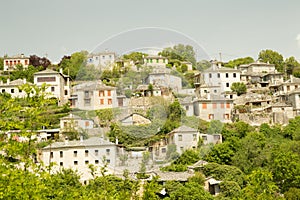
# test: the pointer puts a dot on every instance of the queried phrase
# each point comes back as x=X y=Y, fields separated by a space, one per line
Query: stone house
x=73 y=122
x=93 y=95
x=102 y=60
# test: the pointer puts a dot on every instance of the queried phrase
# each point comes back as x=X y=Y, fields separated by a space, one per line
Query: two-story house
x=102 y=60
x=93 y=95
x=79 y=154
x=155 y=61
x=58 y=84
x=10 y=63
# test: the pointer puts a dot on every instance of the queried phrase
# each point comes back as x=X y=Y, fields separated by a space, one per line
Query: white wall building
x=155 y=61
x=58 y=84
x=102 y=60
x=223 y=77
x=93 y=95
x=9 y=63
x=13 y=88
x=77 y=155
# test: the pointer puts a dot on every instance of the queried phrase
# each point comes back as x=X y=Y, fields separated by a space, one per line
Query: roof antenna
x=220 y=54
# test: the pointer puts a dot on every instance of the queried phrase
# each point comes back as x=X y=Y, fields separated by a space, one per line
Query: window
x=204 y=105
x=211 y=116
x=163 y=150
x=234 y=75
x=108 y=160
x=215 y=91
x=288 y=88
x=66 y=92
x=103 y=57
x=231 y=96
x=181 y=148
x=227 y=75
x=86 y=162
x=151 y=60
x=156 y=60
x=296 y=86
x=75 y=153
x=75 y=162
x=187 y=107
x=51 y=154
x=194 y=137
x=52 y=89
x=214 y=106
x=61 y=154
x=109 y=101
x=218 y=75
x=20 y=90
x=227 y=105
x=164 y=60
x=101 y=93
x=86 y=94
x=96 y=161
x=107 y=152
x=87 y=102
x=12 y=90
x=204 y=137
x=226 y=116
x=227 y=84
x=87 y=123
x=96 y=152
x=109 y=93
x=26 y=62
x=101 y=101
x=86 y=153
x=46 y=79
x=97 y=57
x=222 y=105
x=210 y=75
x=3 y=90
x=179 y=137
x=61 y=164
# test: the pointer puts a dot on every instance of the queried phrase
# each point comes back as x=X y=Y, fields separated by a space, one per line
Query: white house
x=93 y=95
x=183 y=138
x=223 y=77
x=78 y=155
x=102 y=60
x=155 y=61
x=58 y=84
x=10 y=63
x=13 y=88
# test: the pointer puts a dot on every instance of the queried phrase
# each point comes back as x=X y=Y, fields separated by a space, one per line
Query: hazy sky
x=236 y=28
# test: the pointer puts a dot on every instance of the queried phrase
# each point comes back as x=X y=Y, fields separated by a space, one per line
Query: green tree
x=291 y=65
x=260 y=186
x=1 y=63
x=292 y=194
x=135 y=56
x=272 y=57
x=180 y=52
x=239 y=88
x=239 y=61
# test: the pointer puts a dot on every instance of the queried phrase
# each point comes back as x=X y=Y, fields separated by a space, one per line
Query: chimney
x=117 y=141
x=219 y=65
x=22 y=55
x=81 y=139
x=24 y=80
x=8 y=81
x=61 y=70
x=291 y=77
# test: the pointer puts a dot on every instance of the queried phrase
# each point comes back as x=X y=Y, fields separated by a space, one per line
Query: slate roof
x=172 y=176
x=184 y=129
x=93 y=141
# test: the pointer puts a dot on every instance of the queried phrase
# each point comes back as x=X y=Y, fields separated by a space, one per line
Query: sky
x=234 y=28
